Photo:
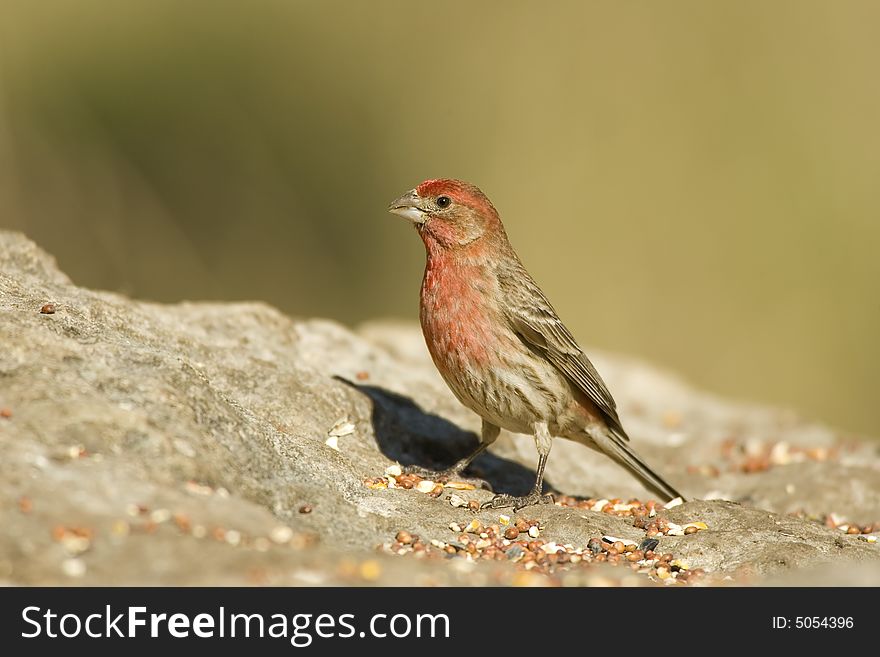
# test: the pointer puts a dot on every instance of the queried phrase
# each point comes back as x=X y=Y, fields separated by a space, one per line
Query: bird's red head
x=449 y=213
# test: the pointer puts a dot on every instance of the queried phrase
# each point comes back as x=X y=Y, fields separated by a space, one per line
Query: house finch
x=499 y=344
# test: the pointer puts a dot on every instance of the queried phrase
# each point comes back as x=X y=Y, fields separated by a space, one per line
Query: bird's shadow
x=413 y=437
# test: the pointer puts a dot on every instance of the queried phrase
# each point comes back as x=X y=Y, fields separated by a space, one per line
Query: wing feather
x=533 y=318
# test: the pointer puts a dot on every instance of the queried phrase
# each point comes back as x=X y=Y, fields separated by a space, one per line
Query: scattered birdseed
x=534 y=532
x=456 y=501
x=474 y=527
x=342 y=428
x=394 y=470
x=674 y=530
x=425 y=486
x=504 y=520
x=547 y=558
x=454 y=526
x=182 y=521
x=160 y=515
x=6 y=413
x=120 y=528
x=460 y=485
x=198 y=489
x=332 y=442
x=473 y=505
x=306 y=508
x=280 y=534
x=48 y=309
x=73 y=567
x=370 y=570
x=232 y=537
x=673 y=503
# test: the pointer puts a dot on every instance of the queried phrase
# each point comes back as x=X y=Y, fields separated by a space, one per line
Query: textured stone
x=175 y=444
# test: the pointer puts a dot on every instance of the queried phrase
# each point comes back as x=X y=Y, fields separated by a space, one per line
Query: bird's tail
x=614 y=444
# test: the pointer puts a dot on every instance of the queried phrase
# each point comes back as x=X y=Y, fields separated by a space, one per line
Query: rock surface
x=188 y=444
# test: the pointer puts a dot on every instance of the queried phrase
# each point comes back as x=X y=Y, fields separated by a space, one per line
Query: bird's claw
x=505 y=501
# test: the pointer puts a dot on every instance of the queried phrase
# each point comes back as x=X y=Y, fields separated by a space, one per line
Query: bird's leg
x=489 y=434
x=543 y=441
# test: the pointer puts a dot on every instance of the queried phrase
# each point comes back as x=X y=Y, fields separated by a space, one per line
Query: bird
x=499 y=344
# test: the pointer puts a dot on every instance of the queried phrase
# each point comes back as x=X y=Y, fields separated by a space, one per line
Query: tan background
x=695 y=183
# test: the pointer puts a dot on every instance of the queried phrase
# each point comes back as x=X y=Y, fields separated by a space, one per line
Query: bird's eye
x=443 y=201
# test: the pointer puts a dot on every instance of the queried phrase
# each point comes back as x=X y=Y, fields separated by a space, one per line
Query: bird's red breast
x=453 y=312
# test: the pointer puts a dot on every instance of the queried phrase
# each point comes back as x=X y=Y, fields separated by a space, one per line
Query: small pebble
x=404 y=537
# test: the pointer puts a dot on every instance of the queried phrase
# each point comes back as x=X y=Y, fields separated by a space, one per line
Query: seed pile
x=518 y=541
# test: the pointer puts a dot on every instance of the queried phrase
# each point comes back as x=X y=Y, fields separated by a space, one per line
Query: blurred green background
x=694 y=183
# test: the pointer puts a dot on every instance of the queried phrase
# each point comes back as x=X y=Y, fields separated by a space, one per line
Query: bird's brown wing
x=533 y=318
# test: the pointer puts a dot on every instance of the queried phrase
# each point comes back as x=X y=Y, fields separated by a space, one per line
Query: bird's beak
x=408 y=207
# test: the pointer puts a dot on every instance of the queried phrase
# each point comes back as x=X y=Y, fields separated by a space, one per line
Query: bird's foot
x=506 y=501
x=445 y=476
